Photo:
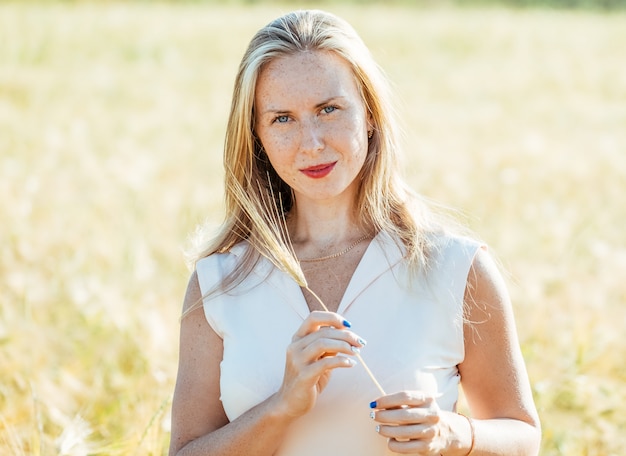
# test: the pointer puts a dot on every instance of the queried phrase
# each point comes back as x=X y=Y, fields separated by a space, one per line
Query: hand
x=319 y=346
x=412 y=421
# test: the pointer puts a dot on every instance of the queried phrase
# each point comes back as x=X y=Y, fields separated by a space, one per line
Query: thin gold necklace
x=338 y=254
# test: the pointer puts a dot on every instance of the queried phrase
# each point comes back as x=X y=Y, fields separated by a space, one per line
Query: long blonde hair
x=384 y=201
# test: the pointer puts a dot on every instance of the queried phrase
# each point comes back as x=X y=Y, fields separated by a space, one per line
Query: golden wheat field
x=112 y=119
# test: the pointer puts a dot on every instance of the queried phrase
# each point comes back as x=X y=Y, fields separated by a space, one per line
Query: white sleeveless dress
x=413 y=327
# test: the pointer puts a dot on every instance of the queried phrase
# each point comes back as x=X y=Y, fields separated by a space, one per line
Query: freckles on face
x=312 y=121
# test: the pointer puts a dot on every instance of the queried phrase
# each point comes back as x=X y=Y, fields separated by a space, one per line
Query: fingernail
x=351 y=361
x=362 y=342
x=347 y=324
x=378 y=428
x=355 y=349
x=372 y=414
x=373 y=404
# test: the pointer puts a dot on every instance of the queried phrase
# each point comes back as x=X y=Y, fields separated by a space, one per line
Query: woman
x=324 y=248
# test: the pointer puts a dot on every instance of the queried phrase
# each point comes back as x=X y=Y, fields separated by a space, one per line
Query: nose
x=311 y=136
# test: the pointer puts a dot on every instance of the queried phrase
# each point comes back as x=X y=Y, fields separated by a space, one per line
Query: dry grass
x=111 y=126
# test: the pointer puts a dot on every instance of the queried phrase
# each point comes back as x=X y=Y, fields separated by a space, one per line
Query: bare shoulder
x=193 y=295
x=487 y=302
x=493 y=373
x=193 y=289
x=196 y=407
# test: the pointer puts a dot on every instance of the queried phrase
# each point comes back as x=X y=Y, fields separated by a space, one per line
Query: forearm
x=502 y=437
x=505 y=437
x=259 y=431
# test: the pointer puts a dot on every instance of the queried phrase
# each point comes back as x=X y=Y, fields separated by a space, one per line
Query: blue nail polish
x=373 y=404
x=362 y=342
x=347 y=324
x=354 y=349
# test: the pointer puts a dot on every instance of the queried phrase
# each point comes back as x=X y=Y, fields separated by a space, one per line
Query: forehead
x=306 y=75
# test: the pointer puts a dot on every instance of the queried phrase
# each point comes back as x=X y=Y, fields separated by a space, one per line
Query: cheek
x=279 y=138
x=274 y=145
x=355 y=129
x=279 y=156
x=355 y=139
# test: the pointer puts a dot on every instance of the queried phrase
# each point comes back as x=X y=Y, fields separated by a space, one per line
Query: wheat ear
x=358 y=355
x=271 y=238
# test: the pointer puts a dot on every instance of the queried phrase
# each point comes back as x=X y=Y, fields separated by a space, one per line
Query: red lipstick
x=318 y=171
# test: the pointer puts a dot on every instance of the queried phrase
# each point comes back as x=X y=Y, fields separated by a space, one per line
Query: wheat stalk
x=271 y=238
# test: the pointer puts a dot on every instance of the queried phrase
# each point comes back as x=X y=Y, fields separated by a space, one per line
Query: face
x=313 y=124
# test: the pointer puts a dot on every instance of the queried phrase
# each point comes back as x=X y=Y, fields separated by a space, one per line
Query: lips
x=318 y=171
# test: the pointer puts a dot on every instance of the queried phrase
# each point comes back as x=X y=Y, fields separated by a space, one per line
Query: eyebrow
x=317 y=106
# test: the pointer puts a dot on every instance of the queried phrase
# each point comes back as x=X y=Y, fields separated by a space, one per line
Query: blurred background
x=112 y=118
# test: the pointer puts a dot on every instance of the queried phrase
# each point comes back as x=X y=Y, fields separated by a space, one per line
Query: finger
x=422 y=447
x=409 y=432
x=317 y=369
x=332 y=333
x=308 y=375
x=406 y=416
x=324 y=342
x=324 y=347
x=404 y=399
x=319 y=319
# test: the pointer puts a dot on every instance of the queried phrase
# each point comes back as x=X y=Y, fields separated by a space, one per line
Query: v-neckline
x=382 y=254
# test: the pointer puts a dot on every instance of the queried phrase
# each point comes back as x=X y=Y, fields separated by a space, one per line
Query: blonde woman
x=334 y=314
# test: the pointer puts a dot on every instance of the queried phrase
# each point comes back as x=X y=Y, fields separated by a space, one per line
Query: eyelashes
x=284 y=118
x=281 y=119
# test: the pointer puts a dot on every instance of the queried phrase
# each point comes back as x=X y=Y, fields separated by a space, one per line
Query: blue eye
x=281 y=119
x=329 y=109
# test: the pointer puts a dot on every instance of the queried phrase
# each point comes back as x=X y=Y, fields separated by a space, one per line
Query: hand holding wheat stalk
x=271 y=238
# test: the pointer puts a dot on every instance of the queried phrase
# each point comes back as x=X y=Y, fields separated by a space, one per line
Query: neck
x=319 y=229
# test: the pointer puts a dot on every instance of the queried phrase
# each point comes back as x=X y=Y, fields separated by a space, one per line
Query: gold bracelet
x=472 y=433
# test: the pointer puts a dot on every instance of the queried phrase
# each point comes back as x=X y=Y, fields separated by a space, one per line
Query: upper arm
x=196 y=407
x=493 y=373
